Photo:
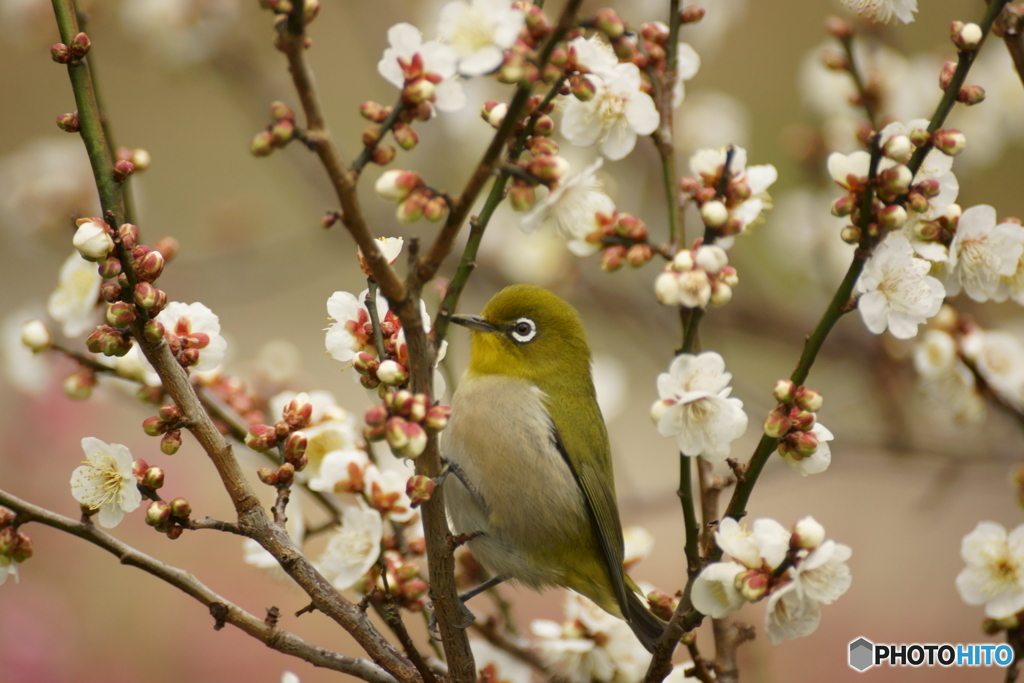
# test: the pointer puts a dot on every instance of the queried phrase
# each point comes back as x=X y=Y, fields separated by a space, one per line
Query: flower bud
x=60 y=53
x=285 y=474
x=78 y=386
x=917 y=202
x=521 y=197
x=711 y=258
x=639 y=254
x=851 y=234
x=899 y=148
x=392 y=373
x=282 y=132
x=583 y=89
x=419 y=489
x=949 y=142
x=659 y=407
x=158 y=512
x=153 y=331
x=69 y=123
x=405 y=136
x=721 y=294
x=298 y=411
x=416 y=441
x=92 y=239
x=896 y=179
x=150 y=266
x=262 y=144
x=395 y=185
x=376 y=415
x=752 y=584
x=383 y=155
x=666 y=288
x=180 y=508
x=608 y=22
x=435 y=209
x=154 y=426
x=110 y=268
x=280 y=111
x=411 y=209
x=396 y=434
x=373 y=111
x=808 y=533
x=776 y=424
x=261 y=438
x=843 y=206
x=714 y=214
x=437 y=418
x=838 y=27
x=496 y=115
x=784 y=391
x=36 y=336
x=950 y=217
x=691 y=14
x=171 y=442
x=123 y=169
x=804 y=443
x=129 y=235
x=809 y=399
x=613 y=258
x=967 y=37
x=80 y=45
x=892 y=217
x=120 y=314
x=548 y=168
x=267 y=475
x=971 y=95
x=295 y=447
x=419 y=90
x=153 y=478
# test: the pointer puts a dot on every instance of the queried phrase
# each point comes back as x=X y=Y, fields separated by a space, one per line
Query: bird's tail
x=647 y=627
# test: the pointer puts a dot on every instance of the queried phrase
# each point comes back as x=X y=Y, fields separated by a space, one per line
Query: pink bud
x=950 y=142
x=267 y=475
x=946 y=74
x=262 y=144
x=180 y=508
x=153 y=331
x=280 y=111
x=129 y=235
x=69 y=123
x=419 y=489
x=298 y=412
x=405 y=136
x=123 y=169
x=282 y=132
x=809 y=399
x=261 y=438
x=437 y=418
x=971 y=95
x=80 y=45
x=171 y=442
x=776 y=424
x=153 y=478
x=376 y=415
x=150 y=266
x=60 y=53
x=373 y=111
x=110 y=292
x=691 y=14
x=295 y=447
x=154 y=426
x=158 y=512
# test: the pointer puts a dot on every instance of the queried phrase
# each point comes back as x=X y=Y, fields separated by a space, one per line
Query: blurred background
x=191 y=81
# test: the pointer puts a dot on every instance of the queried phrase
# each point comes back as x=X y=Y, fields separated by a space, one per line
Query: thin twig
x=276 y=638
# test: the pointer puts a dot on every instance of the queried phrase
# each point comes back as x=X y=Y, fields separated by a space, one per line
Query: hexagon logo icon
x=862 y=654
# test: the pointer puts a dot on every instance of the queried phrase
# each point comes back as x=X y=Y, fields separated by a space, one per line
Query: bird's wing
x=593 y=477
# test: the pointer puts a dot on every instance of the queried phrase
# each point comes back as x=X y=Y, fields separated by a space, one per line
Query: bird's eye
x=524 y=330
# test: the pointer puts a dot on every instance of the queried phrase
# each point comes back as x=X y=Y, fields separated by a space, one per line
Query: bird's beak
x=473 y=322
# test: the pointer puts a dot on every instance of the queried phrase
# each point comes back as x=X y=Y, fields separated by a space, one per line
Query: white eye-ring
x=524 y=330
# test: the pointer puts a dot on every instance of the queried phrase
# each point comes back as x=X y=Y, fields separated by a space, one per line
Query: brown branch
x=226 y=612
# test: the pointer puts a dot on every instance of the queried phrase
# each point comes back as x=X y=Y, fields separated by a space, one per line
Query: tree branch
x=226 y=612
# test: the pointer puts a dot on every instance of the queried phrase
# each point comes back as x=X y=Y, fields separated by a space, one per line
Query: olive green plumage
x=528 y=433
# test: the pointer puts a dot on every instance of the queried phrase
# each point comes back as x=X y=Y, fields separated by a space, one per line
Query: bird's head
x=528 y=332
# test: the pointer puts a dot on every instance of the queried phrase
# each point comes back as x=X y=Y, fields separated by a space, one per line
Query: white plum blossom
x=8 y=567
x=104 y=482
x=824 y=574
x=570 y=209
x=438 y=62
x=615 y=115
x=883 y=10
x=982 y=254
x=994 y=575
x=340 y=471
x=386 y=490
x=325 y=406
x=817 y=462
x=638 y=542
x=696 y=408
x=353 y=547
x=390 y=248
x=27 y=371
x=198 y=323
x=351 y=332
x=790 y=613
x=73 y=303
x=714 y=591
x=896 y=290
x=480 y=31
x=180 y=33
x=767 y=542
x=338 y=434
x=947 y=383
x=591 y=645
x=999 y=359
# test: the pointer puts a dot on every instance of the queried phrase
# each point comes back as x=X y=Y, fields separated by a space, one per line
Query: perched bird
x=528 y=442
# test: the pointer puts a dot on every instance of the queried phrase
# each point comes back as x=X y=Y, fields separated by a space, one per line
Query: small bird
x=529 y=445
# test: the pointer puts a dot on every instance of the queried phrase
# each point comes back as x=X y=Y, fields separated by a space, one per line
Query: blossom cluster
x=994 y=575
x=697 y=277
x=730 y=200
x=404 y=420
x=797 y=571
x=803 y=441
